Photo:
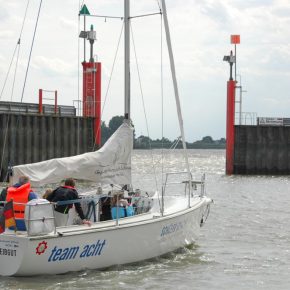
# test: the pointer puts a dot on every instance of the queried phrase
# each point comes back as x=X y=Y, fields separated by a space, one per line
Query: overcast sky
x=200 y=33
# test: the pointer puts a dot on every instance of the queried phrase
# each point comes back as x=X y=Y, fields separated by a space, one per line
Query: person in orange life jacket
x=20 y=193
x=66 y=193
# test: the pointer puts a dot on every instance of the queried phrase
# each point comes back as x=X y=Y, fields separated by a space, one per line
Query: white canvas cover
x=109 y=165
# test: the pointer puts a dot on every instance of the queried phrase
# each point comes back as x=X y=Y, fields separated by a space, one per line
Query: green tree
x=115 y=123
x=108 y=131
x=105 y=132
x=143 y=142
x=207 y=139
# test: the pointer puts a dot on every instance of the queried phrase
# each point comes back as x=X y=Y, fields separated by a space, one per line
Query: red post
x=98 y=106
x=92 y=95
x=230 y=134
x=55 y=102
x=40 y=110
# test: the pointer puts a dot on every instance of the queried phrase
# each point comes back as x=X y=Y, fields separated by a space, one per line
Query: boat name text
x=61 y=254
x=171 y=228
x=7 y=252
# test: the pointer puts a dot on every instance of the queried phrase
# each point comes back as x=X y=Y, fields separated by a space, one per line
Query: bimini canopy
x=109 y=165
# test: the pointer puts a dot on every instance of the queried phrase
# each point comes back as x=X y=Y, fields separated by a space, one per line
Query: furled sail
x=109 y=165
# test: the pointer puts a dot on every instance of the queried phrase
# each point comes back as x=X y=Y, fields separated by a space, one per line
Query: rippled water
x=243 y=245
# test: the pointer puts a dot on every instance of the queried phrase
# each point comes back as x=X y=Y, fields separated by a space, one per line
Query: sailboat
x=160 y=223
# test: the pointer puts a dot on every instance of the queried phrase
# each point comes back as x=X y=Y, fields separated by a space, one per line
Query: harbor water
x=243 y=245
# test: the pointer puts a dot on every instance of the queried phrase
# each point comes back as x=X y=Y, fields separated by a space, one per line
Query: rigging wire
x=4 y=145
x=78 y=119
x=159 y=6
x=144 y=109
x=106 y=17
x=8 y=71
x=81 y=5
x=8 y=118
x=16 y=65
x=26 y=73
x=175 y=143
x=172 y=148
x=111 y=74
x=14 y=78
x=31 y=51
x=145 y=15
x=17 y=45
x=113 y=17
x=162 y=106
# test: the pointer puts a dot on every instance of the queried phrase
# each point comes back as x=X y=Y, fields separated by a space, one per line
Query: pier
x=262 y=150
x=29 y=137
x=261 y=147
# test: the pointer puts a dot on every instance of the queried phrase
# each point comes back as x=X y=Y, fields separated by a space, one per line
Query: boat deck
x=174 y=208
x=98 y=226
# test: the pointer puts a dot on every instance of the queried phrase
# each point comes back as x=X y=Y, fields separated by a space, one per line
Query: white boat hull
x=45 y=249
x=102 y=245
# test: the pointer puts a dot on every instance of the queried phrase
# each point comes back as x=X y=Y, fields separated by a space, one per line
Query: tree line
x=144 y=142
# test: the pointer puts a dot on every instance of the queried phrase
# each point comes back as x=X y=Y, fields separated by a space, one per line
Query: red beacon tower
x=231 y=99
x=92 y=85
x=230 y=128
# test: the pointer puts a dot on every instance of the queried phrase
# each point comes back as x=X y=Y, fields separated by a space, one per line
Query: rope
x=144 y=110
x=31 y=51
x=111 y=74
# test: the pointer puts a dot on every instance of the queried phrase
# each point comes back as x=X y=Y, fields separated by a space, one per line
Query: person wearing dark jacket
x=66 y=193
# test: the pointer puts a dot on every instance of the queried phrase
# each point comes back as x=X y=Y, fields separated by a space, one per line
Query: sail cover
x=109 y=165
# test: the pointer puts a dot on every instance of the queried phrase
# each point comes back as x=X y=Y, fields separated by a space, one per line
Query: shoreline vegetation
x=144 y=142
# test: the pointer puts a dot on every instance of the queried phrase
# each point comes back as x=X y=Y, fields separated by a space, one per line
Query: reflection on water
x=243 y=245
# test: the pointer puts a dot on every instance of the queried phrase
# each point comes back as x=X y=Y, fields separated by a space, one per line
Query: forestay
x=109 y=165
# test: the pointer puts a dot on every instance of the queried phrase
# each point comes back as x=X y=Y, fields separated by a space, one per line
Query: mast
x=127 y=57
x=172 y=66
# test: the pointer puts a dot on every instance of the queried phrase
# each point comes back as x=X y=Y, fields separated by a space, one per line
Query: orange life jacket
x=19 y=195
